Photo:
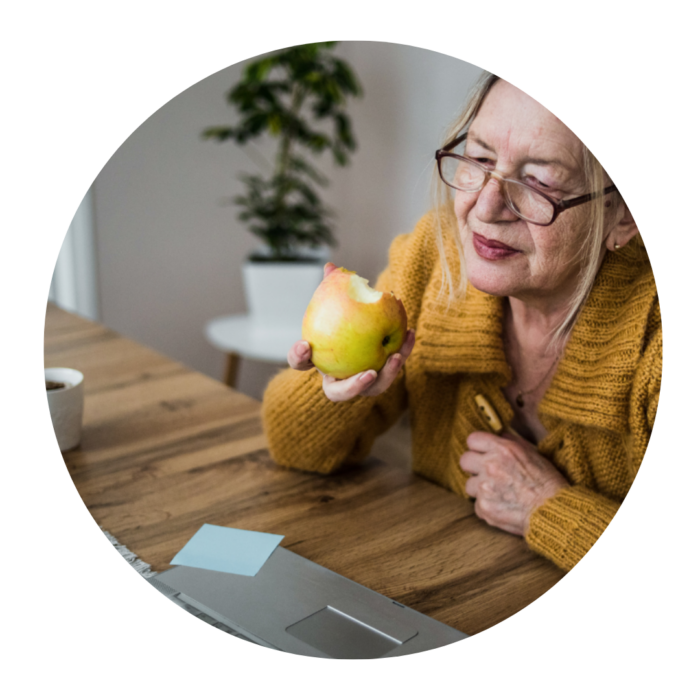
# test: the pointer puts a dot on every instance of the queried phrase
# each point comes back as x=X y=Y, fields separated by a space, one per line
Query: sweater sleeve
x=307 y=431
x=566 y=526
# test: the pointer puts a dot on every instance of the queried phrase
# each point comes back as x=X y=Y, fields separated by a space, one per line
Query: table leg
x=231 y=369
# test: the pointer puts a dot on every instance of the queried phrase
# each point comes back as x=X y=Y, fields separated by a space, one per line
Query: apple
x=351 y=327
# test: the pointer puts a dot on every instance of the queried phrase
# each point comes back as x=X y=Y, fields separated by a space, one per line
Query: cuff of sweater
x=295 y=407
x=566 y=526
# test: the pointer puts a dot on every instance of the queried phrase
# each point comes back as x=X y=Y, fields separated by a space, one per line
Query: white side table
x=244 y=335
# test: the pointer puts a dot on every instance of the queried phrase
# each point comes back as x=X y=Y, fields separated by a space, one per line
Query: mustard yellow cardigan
x=598 y=411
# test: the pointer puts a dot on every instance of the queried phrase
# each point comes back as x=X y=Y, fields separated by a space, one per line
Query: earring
x=617 y=246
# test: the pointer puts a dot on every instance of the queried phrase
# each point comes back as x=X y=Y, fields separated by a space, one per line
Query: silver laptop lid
x=297 y=606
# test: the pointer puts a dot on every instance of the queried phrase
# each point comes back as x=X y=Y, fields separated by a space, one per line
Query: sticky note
x=228 y=550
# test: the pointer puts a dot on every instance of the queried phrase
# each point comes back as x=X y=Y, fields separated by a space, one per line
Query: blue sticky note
x=228 y=550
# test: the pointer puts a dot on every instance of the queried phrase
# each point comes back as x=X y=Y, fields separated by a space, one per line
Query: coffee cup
x=64 y=391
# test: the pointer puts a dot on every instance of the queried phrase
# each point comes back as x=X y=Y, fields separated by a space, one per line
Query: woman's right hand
x=369 y=383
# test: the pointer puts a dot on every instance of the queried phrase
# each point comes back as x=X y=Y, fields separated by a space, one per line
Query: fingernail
x=366 y=375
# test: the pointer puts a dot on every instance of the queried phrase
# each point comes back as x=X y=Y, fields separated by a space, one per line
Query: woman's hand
x=368 y=383
x=509 y=479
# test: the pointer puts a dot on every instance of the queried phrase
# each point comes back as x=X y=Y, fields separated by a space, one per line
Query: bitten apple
x=352 y=327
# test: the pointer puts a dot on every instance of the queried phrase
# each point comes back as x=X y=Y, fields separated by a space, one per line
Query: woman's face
x=505 y=255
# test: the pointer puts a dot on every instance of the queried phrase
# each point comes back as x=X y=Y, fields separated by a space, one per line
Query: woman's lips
x=490 y=249
x=493 y=244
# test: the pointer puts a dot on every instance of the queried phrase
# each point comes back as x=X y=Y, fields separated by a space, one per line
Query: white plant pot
x=279 y=292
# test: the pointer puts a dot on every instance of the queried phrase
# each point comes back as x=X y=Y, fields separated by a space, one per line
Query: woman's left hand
x=509 y=480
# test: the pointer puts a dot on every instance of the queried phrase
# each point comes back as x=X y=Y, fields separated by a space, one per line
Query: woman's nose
x=491 y=203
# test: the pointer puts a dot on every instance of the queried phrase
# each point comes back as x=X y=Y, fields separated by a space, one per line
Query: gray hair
x=588 y=254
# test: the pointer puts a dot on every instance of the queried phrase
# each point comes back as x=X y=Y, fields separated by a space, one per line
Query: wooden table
x=165 y=450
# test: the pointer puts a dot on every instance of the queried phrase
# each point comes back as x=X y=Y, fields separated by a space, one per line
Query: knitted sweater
x=598 y=410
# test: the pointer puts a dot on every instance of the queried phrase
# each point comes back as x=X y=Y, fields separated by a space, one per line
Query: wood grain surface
x=165 y=450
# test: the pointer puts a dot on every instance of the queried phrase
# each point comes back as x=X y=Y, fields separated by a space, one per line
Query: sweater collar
x=591 y=384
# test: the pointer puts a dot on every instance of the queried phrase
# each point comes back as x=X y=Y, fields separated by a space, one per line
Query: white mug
x=66 y=405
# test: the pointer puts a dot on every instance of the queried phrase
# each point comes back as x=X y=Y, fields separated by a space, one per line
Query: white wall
x=169 y=249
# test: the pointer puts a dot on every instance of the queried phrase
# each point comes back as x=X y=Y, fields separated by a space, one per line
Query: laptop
x=297 y=606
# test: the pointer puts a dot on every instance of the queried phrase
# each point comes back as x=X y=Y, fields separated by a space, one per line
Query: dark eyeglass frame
x=558 y=205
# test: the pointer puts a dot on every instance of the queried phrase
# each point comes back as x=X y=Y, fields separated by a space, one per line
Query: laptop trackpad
x=341 y=636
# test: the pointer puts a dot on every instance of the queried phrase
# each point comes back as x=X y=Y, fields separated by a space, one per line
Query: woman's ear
x=623 y=231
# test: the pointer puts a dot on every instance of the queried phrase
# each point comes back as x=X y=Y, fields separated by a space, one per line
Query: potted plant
x=289 y=95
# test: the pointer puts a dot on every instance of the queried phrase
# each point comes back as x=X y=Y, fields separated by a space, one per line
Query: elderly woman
x=533 y=291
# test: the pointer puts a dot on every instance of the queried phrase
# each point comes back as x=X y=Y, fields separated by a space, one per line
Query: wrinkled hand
x=368 y=383
x=509 y=479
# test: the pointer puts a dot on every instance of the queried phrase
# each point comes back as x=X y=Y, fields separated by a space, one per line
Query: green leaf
x=342 y=127
x=339 y=156
x=312 y=76
x=267 y=95
x=345 y=78
x=258 y=70
x=220 y=133
x=322 y=108
x=317 y=141
x=243 y=96
x=299 y=187
x=251 y=127
x=274 y=123
x=300 y=165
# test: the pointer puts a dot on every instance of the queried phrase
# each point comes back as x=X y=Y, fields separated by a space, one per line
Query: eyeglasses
x=526 y=202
